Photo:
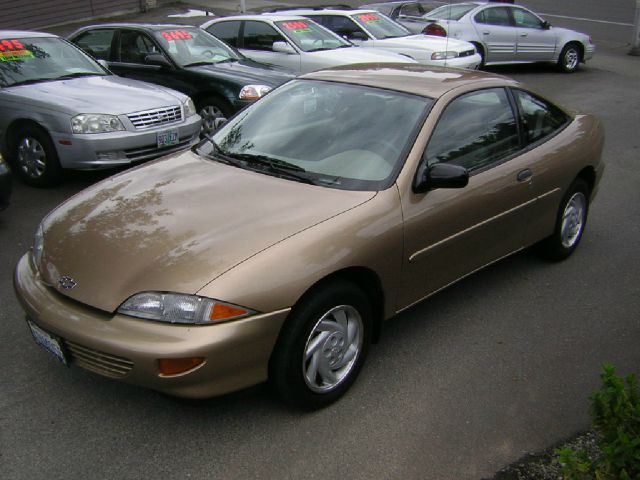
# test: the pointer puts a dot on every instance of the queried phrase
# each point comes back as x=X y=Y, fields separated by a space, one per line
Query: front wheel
x=570 y=56
x=35 y=157
x=570 y=223
x=322 y=346
x=211 y=109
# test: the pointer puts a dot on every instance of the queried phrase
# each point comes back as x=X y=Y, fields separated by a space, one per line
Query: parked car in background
x=372 y=29
x=282 y=241
x=510 y=34
x=407 y=14
x=293 y=42
x=219 y=79
x=61 y=109
x=5 y=183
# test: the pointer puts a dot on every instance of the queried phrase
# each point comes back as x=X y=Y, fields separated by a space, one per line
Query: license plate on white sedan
x=166 y=139
x=48 y=342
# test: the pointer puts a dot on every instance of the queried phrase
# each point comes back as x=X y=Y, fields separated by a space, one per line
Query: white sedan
x=372 y=29
x=293 y=42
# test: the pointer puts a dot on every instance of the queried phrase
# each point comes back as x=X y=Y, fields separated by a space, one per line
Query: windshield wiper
x=210 y=62
x=220 y=156
x=275 y=166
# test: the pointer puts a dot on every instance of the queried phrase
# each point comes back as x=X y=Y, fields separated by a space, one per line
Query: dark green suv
x=218 y=78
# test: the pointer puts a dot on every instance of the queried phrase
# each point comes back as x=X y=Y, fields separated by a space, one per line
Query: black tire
x=211 y=108
x=480 y=51
x=301 y=381
x=35 y=157
x=570 y=58
x=570 y=223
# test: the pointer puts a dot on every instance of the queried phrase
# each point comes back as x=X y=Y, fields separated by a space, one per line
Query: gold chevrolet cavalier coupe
x=275 y=248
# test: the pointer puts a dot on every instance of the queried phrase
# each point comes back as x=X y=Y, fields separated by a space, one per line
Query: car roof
x=423 y=80
x=25 y=34
x=274 y=17
x=331 y=11
x=144 y=26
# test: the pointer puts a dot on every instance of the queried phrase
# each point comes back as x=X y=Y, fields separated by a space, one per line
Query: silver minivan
x=61 y=109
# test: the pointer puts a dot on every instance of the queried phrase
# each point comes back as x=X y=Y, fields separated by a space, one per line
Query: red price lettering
x=10 y=45
x=295 y=25
x=177 y=35
x=369 y=17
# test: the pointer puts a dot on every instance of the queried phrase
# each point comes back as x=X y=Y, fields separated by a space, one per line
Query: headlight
x=189 y=108
x=95 y=123
x=38 y=246
x=181 y=308
x=253 y=92
x=443 y=55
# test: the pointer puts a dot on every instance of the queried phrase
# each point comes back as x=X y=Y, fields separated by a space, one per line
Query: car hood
x=344 y=56
x=429 y=42
x=246 y=71
x=101 y=94
x=175 y=225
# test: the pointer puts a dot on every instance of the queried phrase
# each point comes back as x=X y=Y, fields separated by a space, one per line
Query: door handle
x=525 y=175
x=523 y=34
x=486 y=33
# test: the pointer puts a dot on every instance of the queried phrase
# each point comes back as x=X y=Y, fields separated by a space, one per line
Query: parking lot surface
x=493 y=368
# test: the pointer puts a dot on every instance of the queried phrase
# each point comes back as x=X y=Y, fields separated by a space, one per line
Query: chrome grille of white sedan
x=155 y=117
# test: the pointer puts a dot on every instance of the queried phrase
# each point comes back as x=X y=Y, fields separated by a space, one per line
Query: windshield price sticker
x=11 y=50
x=369 y=17
x=297 y=27
x=177 y=35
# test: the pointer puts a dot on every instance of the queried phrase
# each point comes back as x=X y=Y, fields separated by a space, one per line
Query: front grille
x=466 y=53
x=99 y=362
x=155 y=117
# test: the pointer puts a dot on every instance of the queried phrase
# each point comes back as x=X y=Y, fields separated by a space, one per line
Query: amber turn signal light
x=176 y=366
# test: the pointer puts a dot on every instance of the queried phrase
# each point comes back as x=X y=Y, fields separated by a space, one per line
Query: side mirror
x=441 y=175
x=546 y=25
x=357 y=36
x=157 y=59
x=283 y=47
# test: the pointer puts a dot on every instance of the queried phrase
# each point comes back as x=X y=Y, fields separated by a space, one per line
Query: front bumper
x=471 y=62
x=236 y=353
x=105 y=150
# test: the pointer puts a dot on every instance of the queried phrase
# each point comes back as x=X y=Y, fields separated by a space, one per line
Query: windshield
x=33 y=60
x=327 y=133
x=451 y=12
x=193 y=46
x=309 y=36
x=380 y=26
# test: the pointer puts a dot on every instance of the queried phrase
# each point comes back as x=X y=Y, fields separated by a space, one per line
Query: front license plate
x=166 y=139
x=48 y=342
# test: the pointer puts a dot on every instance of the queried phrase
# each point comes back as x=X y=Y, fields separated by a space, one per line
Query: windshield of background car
x=331 y=134
x=380 y=26
x=188 y=46
x=309 y=36
x=451 y=12
x=32 y=60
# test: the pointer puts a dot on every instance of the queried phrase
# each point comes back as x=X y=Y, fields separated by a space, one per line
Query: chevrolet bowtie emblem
x=67 y=283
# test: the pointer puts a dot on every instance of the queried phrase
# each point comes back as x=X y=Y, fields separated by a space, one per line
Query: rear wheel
x=35 y=157
x=570 y=57
x=322 y=346
x=570 y=223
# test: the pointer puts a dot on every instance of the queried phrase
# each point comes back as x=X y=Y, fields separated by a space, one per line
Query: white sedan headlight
x=95 y=123
x=443 y=55
x=181 y=308
x=189 y=108
x=253 y=92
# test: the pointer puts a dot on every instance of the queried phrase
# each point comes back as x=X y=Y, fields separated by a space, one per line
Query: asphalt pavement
x=495 y=367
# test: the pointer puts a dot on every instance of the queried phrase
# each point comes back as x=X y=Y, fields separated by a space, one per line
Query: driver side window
x=135 y=46
x=474 y=131
x=526 y=19
x=260 y=36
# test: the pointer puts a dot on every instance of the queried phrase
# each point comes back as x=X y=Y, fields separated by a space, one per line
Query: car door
x=130 y=60
x=495 y=30
x=536 y=42
x=257 y=44
x=450 y=233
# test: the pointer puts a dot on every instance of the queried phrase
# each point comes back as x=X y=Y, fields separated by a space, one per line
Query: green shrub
x=615 y=413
